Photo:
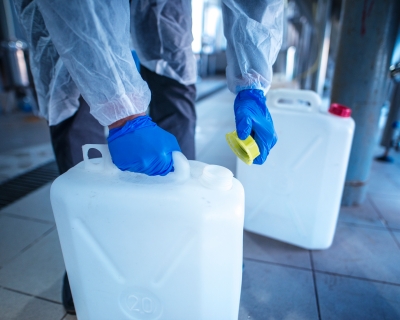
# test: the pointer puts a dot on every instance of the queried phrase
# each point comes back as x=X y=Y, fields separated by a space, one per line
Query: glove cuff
x=130 y=126
x=255 y=95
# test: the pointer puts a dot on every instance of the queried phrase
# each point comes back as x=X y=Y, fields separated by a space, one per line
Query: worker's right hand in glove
x=253 y=118
x=142 y=146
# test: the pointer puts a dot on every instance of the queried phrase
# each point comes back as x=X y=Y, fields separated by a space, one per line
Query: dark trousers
x=69 y=136
x=172 y=108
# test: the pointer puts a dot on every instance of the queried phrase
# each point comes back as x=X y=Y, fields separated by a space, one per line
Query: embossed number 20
x=140 y=304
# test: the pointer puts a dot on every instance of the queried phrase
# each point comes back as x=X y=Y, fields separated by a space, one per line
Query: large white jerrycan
x=295 y=195
x=140 y=247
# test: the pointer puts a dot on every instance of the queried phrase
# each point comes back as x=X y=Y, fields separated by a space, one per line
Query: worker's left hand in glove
x=142 y=146
x=253 y=118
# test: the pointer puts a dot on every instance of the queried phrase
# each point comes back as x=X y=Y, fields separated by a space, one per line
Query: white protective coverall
x=82 y=47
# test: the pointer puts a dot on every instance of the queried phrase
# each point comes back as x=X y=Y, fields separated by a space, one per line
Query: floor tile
x=385 y=166
x=34 y=205
x=275 y=292
x=269 y=250
x=219 y=153
x=224 y=98
x=16 y=234
x=215 y=109
x=19 y=161
x=215 y=118
x=397 y=237
x=364 y=214
x=37 y=271
x=16 y=306
x=219 y=116
x=369 y=253
x=345 y=298
x=389 y=208
x=204 y=88
x=205 y=135
x=382 y=183
x=22 y=129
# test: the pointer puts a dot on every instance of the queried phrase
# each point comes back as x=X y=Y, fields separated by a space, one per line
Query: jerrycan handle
x=291 y=99
x=181 y=164
x=181 y=167
x=102 y=164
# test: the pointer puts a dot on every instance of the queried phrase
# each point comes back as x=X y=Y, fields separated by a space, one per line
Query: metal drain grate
x=20 y=186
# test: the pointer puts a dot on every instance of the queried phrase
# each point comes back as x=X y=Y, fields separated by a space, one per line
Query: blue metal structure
x=360 y=82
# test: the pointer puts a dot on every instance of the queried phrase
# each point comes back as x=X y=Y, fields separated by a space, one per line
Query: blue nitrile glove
x=252 y=117
x=142 y=146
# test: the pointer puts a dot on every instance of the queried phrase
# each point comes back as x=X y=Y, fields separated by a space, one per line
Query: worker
x=391 y=133
x=85 y=77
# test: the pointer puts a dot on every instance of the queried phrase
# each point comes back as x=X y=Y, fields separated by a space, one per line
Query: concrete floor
x=357 y=278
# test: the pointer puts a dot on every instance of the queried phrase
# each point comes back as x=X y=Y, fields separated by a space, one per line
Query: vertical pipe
x=7 y=25
x=315 y=35
x=303 y=55
x=322 y=37
x=360 y=80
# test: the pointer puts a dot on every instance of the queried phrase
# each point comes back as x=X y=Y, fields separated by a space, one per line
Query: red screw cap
x=340 y=110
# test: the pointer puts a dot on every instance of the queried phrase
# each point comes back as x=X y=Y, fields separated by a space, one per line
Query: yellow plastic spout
x=246 y=150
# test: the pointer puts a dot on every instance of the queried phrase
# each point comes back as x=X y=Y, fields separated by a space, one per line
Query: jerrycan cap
x=246 y=150
x=340 y=110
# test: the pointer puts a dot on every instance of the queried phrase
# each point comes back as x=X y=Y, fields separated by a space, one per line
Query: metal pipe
x=306 y=9
x=315 y=41
x=360 y=81
x=15 y=67
x=305 y=32
x=322 y=38
x=7 y=24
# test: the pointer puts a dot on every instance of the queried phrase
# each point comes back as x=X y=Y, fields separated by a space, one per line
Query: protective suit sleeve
x=57 y=93
x=253 y=30
x=161 y=33
x=92 y=38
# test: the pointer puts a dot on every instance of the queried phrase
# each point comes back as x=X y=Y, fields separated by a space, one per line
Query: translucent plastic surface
x=295 y=196
x=140 y=247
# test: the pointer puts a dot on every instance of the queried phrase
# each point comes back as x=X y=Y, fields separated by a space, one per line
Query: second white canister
x=295 y=195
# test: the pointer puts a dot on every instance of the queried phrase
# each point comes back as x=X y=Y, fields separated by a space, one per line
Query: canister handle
x=289 y=99
x=100 y=164
x=181 y=167
x=105 y=164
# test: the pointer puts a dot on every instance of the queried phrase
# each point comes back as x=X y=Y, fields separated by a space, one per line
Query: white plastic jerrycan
x=295 y=195
x=140 y=247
